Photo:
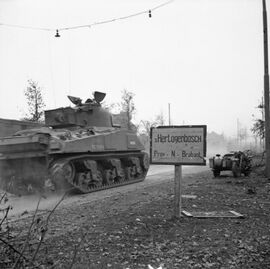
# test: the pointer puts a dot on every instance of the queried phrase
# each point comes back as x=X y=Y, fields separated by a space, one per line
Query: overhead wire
x=57 y=30
x=26 y=27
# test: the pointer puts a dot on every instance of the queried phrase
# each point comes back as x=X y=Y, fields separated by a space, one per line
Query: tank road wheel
x=81 y=180
x=84 y=182
x=62 y=174
x=109 y=176
x=129 y=169
x=119 y=171
x=96 y=179
x=133 y=169
x=99 y=179
x=145 y=161
x=94 y=176
x=69 y=172
x=113 y=171
x=137 y=167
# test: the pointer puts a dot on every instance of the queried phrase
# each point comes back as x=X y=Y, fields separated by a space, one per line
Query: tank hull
x=81 y=148
x=65 y=160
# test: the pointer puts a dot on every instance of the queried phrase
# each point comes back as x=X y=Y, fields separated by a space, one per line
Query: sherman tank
x=78 y=148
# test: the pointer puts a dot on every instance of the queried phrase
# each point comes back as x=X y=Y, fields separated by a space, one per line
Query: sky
x=201 y=58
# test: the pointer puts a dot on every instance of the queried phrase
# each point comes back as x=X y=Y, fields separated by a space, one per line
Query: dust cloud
x=212 y=150
x=23 y=205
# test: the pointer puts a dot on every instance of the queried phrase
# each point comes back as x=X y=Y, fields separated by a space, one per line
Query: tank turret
x=85 y=114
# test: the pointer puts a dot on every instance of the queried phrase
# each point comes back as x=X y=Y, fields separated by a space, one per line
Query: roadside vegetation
x=20 y=249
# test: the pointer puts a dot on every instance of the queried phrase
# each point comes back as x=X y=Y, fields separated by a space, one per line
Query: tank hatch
x=85 y=114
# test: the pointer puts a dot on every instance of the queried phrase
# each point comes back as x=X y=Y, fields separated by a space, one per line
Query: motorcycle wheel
x=236 y=170
x=216 y=173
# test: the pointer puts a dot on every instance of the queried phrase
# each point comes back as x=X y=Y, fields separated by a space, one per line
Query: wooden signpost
x=178 y=145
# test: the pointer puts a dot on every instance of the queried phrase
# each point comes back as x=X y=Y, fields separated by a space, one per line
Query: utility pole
x=238 y=133
x=169 y=108
x=266 y=92
x=262 y=140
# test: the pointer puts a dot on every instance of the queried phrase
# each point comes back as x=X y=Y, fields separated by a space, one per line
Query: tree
x=146 y=126
x=160 y=120
x=128 y=107
x=35 y=102
x=258 y=126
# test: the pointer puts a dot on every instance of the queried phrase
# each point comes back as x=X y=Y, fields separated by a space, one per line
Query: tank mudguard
x=118 y=140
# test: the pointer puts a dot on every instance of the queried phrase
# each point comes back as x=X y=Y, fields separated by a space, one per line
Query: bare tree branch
x=45 y=228
x=6 y=215
x=77 y=247
x=14 y=249
x=28 y=234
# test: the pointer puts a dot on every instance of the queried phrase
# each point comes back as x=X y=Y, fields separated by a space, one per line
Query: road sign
x=178 y=145
x=182 y=145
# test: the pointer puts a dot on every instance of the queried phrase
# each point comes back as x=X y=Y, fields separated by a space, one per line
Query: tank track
x=90 y=173
x=83 y=173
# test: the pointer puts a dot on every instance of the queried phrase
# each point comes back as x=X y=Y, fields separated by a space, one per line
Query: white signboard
x=183 y=145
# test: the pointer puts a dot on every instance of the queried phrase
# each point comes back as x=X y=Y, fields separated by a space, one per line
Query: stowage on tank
x=79 y=148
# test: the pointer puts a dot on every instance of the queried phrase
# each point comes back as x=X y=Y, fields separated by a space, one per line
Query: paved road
x=156 y=174
x=157 y=169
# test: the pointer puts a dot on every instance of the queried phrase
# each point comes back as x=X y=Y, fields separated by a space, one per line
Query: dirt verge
x=135 y=229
